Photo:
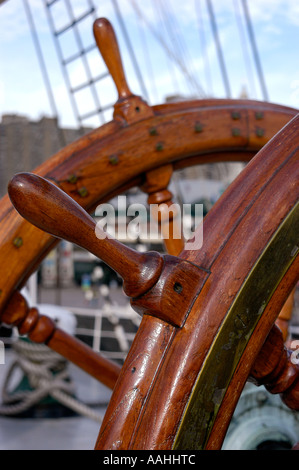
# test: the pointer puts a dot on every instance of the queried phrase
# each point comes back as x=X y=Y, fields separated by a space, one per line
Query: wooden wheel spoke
x=42 y=329
x=129 y=107
x=285 y=315
x=163 y=286
x=221 y=341
x=162 y=208
x=205 y=312
x=276 y=368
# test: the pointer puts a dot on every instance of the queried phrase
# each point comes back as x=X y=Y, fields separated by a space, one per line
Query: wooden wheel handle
x=49 y=208
x=107 y=43
x=163 y=286
x=129 y=107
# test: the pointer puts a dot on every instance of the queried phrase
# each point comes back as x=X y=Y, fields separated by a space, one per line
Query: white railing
x=114 y=313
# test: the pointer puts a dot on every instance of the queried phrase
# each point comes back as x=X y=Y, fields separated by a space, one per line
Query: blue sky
x=164 y=50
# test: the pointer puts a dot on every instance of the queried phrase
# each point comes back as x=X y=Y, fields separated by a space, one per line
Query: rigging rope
x=130 y=49
x=143 y=40
x=44 y=71
x=244 y=48
x=176 y=37
x=169 y=51
x=38 y=362
x=204 y=48
x=219 y=49
x=255 y=51
x=172 y=70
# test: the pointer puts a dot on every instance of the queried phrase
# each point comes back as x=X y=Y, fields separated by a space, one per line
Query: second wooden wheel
x=185 y=370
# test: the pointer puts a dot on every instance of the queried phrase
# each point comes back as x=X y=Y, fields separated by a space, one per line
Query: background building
x=25 y=144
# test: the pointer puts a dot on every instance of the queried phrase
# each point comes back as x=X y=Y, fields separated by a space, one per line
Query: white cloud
x=273 y=22
x=267 y=10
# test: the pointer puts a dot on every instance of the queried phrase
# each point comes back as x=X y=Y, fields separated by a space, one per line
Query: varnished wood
x=163 y=210
x=128 y=107
x=77 y=165
x=275 y=369
x=42 y=329
x=285 y=315
x=231 y=240
x=108 y=47
x=246 y=363
x=163 y=286
x=52 y=210
x=161 y=369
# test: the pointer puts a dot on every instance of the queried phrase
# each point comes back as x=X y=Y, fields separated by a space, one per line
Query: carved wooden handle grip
x=49 y=208
x=275 y=369
x=108 y=46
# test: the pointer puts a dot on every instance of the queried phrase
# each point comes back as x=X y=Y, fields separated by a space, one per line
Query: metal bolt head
x=83 y=191
x=198 y=127
x=153 y=131
x=260 y=132
x=236 y=132
x=18 y=242
x=259 y=115
x=113 y=159
x=236 y=115
x=178 y=287
x=72 y=179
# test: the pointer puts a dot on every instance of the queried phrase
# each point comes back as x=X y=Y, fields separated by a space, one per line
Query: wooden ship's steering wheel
x=208 y=311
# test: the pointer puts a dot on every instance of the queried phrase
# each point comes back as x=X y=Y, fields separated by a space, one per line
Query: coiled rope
x=47 y=376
